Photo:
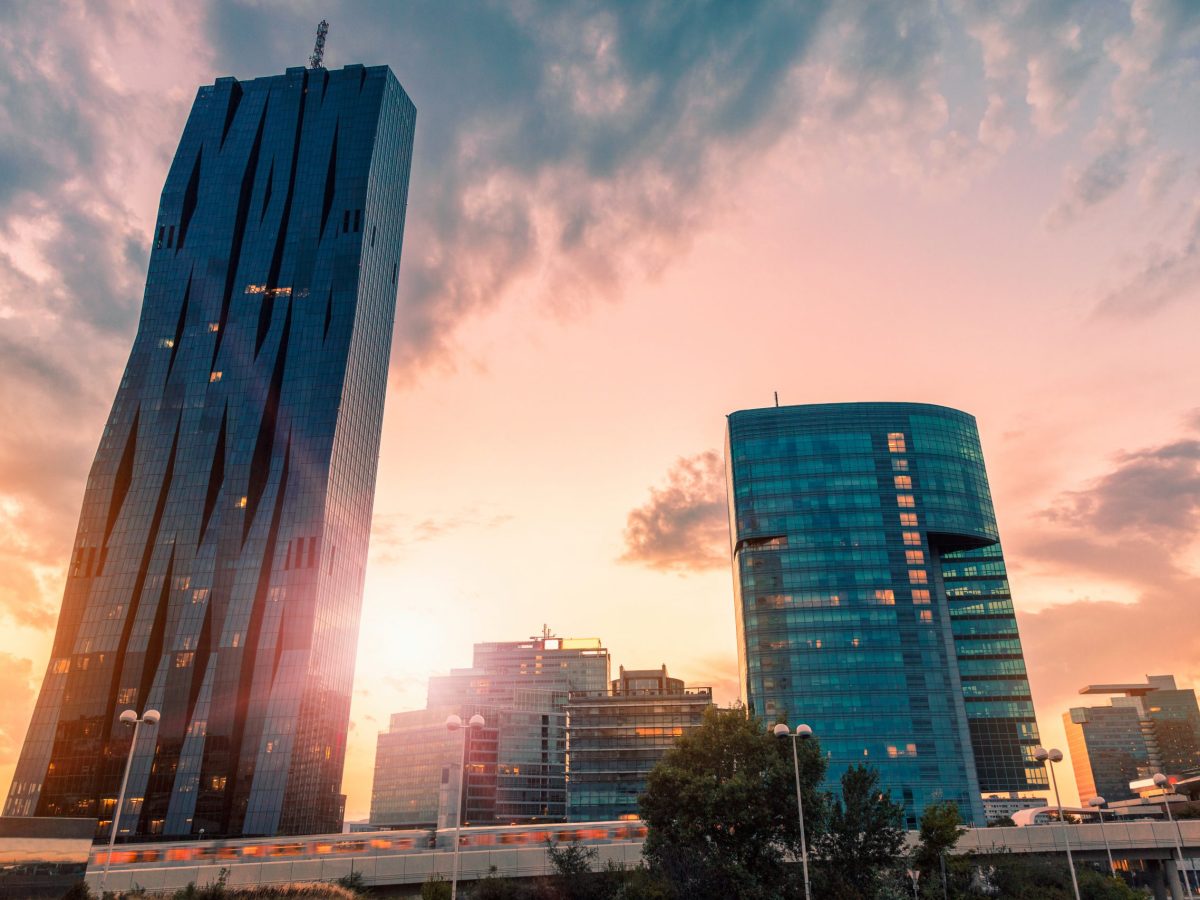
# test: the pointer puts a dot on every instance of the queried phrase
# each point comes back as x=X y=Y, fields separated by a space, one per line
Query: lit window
x=917 y=576
x=912 y=538
x=183 y=660
x=905 y=501
x=926 y=615
x=914 y=557
x=886 y=597
x=896 y=442
x=920 y=595
x=214 y=327
x=908 y=520
x=61 y=666
x=241 y=504
x=214 y=377
x=900 y=465
x=903 y=482
x=166 y=343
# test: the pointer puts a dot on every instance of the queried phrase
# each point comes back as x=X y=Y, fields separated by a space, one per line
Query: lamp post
x=1098 y=804
x=455 y=723
x=1165 y=783
x=1041 y=754
x=802 y=733
x=129 y=717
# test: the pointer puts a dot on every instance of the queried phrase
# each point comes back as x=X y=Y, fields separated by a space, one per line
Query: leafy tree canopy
x=721 y=807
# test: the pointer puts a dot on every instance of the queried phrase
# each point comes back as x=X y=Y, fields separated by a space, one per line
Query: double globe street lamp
x=802 y=733
x=129 y=717
x=455 y=723
x=1042 y=755
x=1164 y=783
x=1097 y=803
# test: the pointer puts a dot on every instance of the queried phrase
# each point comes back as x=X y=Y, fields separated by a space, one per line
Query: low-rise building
x=617 y=736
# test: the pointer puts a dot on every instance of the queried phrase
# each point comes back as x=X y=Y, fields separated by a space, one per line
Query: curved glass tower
x=872 y=600
x=217 y=572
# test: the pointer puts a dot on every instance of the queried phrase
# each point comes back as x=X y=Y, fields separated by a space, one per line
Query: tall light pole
x=455 y=723
x=802 y=733
x=1165 y=783
x=1041 y=754
x=129 y=717
x=1098 y=804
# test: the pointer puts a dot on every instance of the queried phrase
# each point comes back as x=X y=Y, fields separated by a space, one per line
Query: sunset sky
x=627 y=221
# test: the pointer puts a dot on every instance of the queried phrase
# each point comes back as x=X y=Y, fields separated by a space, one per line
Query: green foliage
x=1001 y=822
x=78 y=891
x=721 y=810
x=1028 y=877
x=941 y=827
x=573 y=877
x=863 y=839
x=494 y=887
x=435 y=888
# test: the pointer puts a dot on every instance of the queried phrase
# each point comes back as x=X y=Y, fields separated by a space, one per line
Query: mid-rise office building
x=872 y=598
x=217 y=571
x=616 y=737
x=516 y=768
x=1147 y=728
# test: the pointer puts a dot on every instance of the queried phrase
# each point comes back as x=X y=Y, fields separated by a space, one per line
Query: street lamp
x=129 y=717
x=1041 y=754
x=455 y=723
x=1165 y=783
x=802 y=733
x=1097 y=803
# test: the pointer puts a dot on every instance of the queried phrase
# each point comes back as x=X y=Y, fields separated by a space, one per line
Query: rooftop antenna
x=777 y=399
x=318 y=54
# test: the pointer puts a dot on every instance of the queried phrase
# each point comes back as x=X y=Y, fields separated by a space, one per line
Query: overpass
x=1152 y=842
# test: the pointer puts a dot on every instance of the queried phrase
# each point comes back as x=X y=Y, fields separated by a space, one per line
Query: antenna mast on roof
x=318 y=54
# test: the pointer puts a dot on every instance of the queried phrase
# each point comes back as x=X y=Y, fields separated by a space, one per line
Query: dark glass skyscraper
x=872 y=600
x=217 y=572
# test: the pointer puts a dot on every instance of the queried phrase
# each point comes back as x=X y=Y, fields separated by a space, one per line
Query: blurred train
x=312 y=847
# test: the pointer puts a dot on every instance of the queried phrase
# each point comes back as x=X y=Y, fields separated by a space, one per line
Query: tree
x=1001 y=822
x=941 y=827
x=435 y=888
x=573 y=875
x=721 y=809
x=864 y=837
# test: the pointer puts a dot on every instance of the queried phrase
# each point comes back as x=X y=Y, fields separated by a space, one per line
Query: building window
x=908 y=520
x=918 y=576
x=214 y=377
x=896 y=442
x=920 y=595
x=912 y=538
x=905 y=501
x=903 y=482
x=900 y=465
x=914 y=557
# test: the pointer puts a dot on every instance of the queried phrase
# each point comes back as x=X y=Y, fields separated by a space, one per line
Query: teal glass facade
x=218 y=566
x=616 y=737
x=871 y=597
